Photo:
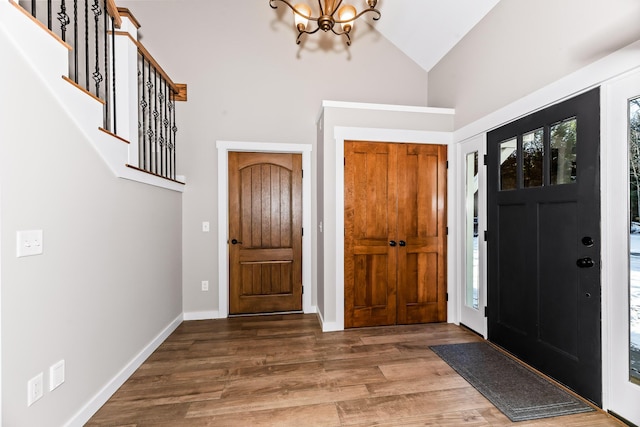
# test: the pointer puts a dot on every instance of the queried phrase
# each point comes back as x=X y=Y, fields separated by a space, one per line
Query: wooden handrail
x=112 y=10
x=145 y=53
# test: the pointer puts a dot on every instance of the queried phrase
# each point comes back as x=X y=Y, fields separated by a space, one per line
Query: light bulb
x=347 y=13
x=301 y=21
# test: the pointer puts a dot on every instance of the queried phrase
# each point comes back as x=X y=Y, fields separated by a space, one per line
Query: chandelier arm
x=274 y=6
x=375 y=18
x=343 y=33
x=300 y=33
x=336 y=7
x=321 y=8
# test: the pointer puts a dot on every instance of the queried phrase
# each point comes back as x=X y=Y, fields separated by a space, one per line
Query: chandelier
x=326 y=20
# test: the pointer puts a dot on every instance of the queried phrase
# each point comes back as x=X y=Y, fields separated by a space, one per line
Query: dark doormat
x=518 y=392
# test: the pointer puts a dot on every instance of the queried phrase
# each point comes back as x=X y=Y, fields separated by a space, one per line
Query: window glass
x=473 y=268
x=532 y=154
x=509 y=164
x=563 y=151
x=634 y=240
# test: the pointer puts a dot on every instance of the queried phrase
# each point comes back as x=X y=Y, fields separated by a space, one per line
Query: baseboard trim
x=202 y=315
x=96 y=402
x=328 y=326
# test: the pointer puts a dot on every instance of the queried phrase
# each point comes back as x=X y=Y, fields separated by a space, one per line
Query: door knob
x=587 y=241
x=235 y=242
x=392 y=243
x=585 y=262
x=402 y=243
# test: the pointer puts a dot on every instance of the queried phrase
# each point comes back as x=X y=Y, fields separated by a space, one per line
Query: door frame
x=342 y=133
x=223 y=215
x=615 y=256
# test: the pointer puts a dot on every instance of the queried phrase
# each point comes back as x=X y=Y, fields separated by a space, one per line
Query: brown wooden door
x=395 y=233
x=265 y=232
x=370 y=219
x=422 y=217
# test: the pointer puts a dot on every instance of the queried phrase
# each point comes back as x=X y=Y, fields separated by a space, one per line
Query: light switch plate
x=56 y=375
x=29 y=242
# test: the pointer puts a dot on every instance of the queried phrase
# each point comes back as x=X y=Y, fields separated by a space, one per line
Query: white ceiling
x=425 y=30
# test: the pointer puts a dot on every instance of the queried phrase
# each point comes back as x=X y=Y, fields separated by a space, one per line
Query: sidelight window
x=634 y=240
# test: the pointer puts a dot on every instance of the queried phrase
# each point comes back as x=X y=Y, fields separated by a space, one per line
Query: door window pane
x=563 y=151
x=634 y=239
x=532 y=153
x=471 y=196
x=509 y=164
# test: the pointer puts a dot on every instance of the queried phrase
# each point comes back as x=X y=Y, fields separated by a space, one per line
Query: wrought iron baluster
x=49 y=15
x=174 y=129
x=107 y=95
x=161 y=118
x=171 y=142
x=76 y=78
x=34 y=12
x=155 y=120
x=64 y=20
x=86 y=44
x=97 y=76
x=165 y=123
x=150 y=133
x=143 y=104
x=113 y=73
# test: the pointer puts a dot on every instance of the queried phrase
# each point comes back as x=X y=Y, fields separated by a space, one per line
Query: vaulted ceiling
x=425 y=30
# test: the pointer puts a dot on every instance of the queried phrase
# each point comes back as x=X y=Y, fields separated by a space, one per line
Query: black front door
x=544 y=241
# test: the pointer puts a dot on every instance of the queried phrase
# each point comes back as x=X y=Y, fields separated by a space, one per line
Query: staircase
x=116 y=94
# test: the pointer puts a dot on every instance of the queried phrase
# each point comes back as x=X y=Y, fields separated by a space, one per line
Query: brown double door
x=395 y=233
x=265 y=232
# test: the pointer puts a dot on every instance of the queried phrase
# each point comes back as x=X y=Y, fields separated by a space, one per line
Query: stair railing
x=91 y=28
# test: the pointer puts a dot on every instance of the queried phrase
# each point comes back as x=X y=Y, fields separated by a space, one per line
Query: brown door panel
x=265 y=230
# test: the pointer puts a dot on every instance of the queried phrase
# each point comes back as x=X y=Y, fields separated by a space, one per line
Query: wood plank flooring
x=282 y=370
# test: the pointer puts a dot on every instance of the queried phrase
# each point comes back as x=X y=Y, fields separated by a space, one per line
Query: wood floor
x=283 y=371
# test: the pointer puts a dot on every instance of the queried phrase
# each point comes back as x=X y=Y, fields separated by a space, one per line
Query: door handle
x=235 y=242
x=585 y=262
x=392 y=243
x=587 y=241
x=402 y=243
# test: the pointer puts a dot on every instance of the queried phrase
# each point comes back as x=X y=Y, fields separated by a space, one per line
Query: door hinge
x=485 y=159
x=303 y=231
x=345 y=160
x=301 y=173
x=486 y=311
x=447 y=231
x=447 y=296
x=486 y=236
x=302 y=290
x=447 y=164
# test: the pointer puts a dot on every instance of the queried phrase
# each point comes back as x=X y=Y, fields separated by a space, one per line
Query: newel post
x=126 y=66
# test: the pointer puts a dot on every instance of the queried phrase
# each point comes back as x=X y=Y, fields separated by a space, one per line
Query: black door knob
x=235 y=242
x=587 y=241
x=585 y=262
x=392 y=243
x=402 y=243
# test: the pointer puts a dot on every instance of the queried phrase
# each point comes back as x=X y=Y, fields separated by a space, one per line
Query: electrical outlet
x=29 y=242
x=56 y=375
x=205 y=285
x=205 y=226
x=35 y=389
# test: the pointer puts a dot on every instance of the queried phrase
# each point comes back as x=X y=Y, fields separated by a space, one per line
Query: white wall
x=249 y=81
x=109 y=280
x=524 y=45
